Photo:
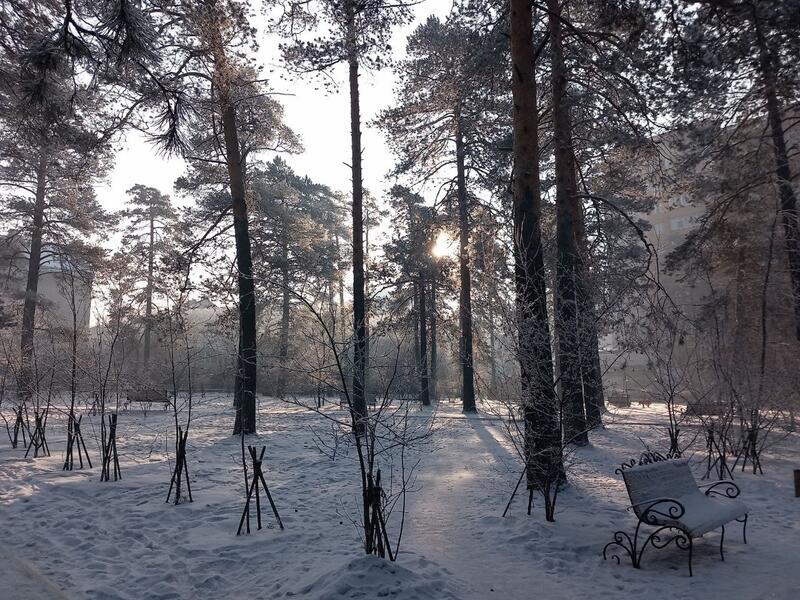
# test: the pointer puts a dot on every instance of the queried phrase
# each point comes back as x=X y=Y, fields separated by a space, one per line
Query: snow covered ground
x=121 y=540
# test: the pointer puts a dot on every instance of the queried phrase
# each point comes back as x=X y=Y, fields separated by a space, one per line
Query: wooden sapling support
x=258 y=481
x=378 y=538
x=20 y=426
x=75 y=441
x=38 y=440
x=750 y=451
x=716 y=456
x=181 y=469
x=110 y=456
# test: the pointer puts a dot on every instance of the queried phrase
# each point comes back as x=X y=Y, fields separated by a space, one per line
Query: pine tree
x=443 y=108
x=543 y=461
x=53 y=151
x=148 y=235
x=220 y=118
x=570 y=267
x=358 y=35
x=296 y=222
x=734 y=82
x=409 y=252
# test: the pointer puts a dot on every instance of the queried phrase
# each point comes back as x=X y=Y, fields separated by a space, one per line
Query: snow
x=121 y=540
x=20 y=579
x=649 y=483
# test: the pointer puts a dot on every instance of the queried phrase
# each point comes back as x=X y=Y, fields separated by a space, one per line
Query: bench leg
x=744 y=528
x=721 y=540
x=634 y=548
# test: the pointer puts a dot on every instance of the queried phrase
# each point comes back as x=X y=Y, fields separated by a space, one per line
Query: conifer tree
x=543 y=460
x=734 y=83
x=357 y=35
x=438 y=127
x=148 y=235
x=222 y=117
x=296 y=224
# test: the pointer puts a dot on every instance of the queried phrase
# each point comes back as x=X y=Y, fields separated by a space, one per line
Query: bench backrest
x=662 y=479
x=147 y=395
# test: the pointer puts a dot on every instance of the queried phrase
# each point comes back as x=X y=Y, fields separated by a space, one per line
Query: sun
x=444 y=246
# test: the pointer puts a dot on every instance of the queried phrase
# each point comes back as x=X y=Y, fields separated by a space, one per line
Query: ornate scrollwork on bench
x=661 y=490
x=657 y=512
x=729 y=489
x=645 y=458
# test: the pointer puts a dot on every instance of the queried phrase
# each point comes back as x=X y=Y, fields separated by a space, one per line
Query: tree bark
x=543 y=460
x=769 y=66
x=591 y=371
x=569 y=268
x=492 y=346
x=464 y=298
x=148 y=315
x=25 y=377
x=432 y=391
x=424 y=393
x=283 y=346
x=415 y=319
x=359 y=296
x=246 y=388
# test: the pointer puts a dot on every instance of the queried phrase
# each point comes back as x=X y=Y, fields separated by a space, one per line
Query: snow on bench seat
x=664 y=495
x=673 y=479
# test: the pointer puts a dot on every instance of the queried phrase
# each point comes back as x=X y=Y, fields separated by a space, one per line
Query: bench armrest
x=729 y=489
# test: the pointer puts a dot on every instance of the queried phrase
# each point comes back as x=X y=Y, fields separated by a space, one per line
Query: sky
x=322 y=120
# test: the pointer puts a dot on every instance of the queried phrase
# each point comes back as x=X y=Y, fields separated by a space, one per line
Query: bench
x=700 y=409
x=665 y=495
x=620 y=400
x=147 y=397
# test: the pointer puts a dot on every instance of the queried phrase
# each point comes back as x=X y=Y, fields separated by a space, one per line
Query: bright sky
x=321 y=119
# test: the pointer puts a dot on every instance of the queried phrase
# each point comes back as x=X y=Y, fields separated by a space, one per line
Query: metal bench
x=665 y=495
x=619 y=399
x=147 y=397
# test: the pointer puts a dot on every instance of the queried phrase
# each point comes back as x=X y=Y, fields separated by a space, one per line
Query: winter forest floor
x=67 y=530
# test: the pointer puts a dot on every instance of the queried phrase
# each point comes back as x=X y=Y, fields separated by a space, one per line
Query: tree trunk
x=340 y=290
x=415 y=320
x=591 y=370
x=539 y=402
x=569 y=261
x=148 y=315
x=432 y=389
x=25 y=377
x=768 y=66
x=283 y=349
x=359 y=296
x=424 y=395
x=246 y=388
x=73 y=373
x=464 y=298
x=492 y=347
